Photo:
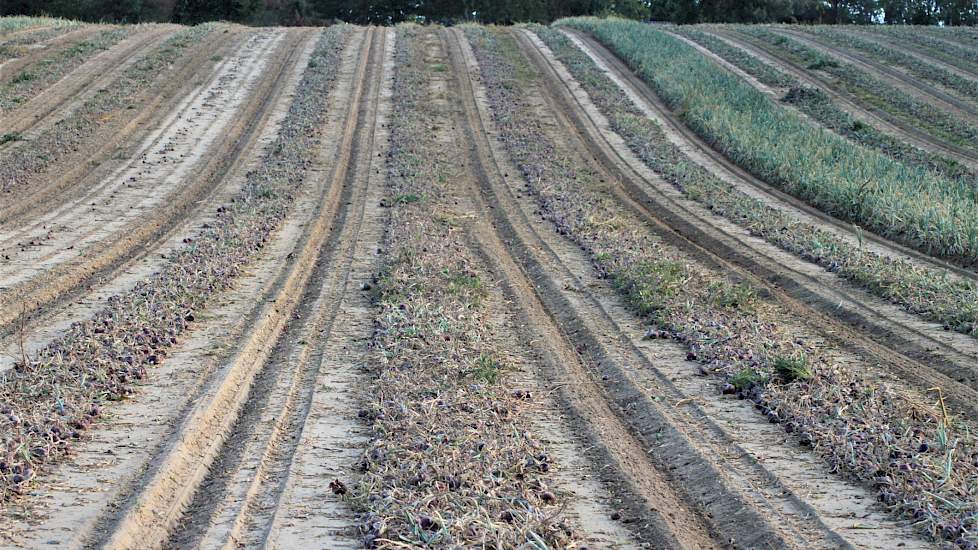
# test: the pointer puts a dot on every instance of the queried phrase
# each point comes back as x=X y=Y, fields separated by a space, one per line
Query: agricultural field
x=598 y=284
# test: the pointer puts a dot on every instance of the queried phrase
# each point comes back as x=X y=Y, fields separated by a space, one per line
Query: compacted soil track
x=80 y=84
x=12 y=67
x=90 y=138
x=703 y=154
x=931 y=93
x=267 y=482
x=127 y=211
x=967 y=71
x=870 y=114
x=201 y=387
x=554 y=325
x=664 y=364
x=867 y=323
x=262 y=424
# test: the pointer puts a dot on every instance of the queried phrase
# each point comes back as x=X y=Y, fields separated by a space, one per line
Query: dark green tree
x=675 y=11
x=122 y=11
x=632 y=9
x=956 y=12
x=192 y=12
x=922 y=12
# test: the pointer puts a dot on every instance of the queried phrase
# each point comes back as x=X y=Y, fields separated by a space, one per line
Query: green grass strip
x=848 y=181
x=869 y=90
x=923 y=291
x=895 y=58
x=820 y=107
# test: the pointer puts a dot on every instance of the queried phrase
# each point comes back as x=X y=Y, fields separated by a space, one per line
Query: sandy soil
x=234 y=438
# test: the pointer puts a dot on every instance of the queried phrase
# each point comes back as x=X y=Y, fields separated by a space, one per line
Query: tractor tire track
x=115 y=141
x=955 y=36
x=894 y=77
x=920 y=55
x=260 y=488
x=14 y=34
x=915 y=351
x=949 y=39
x=298 y=509
x=774 y=93
x=137 y=236
x=807 y=285
x=753 y=471
x=45 y=324
x=165 y=155
x=57 y=101
x=146 y=518
x=43 y=49
x=235 y=441
x=717 y=59
x=701 y=153
x=43 y=321
x=651 y=493
x=602 y=386
x=873 y=116
x=82 y=497
x=435 y=111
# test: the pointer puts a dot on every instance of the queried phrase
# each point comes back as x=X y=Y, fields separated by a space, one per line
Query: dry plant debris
x=451 y=463
x=922 y=463
x=52 y=399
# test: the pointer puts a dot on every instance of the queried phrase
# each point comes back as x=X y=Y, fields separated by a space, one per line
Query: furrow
x=875 y=117
x=676 y=224
x=166 y=153
x=44 y=49
x=72 y=90
x=892 y=76
x=918 y=373
x=280 y=423
x=480 y=436
x=955 y=36
x=648 y=456
x=106 y=245
x=872 y=324
x=147 y=517
x=296 y=507
x=27 y=29
x=117 y=138
x=41 y=321
x=124 y=452
x=945 y=39
x=773 y=93
x=920 y=346
x=918 y=54
x=701 y=153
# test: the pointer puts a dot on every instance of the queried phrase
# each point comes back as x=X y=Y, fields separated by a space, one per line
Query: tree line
x=307 y=12
x=287 y=12
x=858 y=12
